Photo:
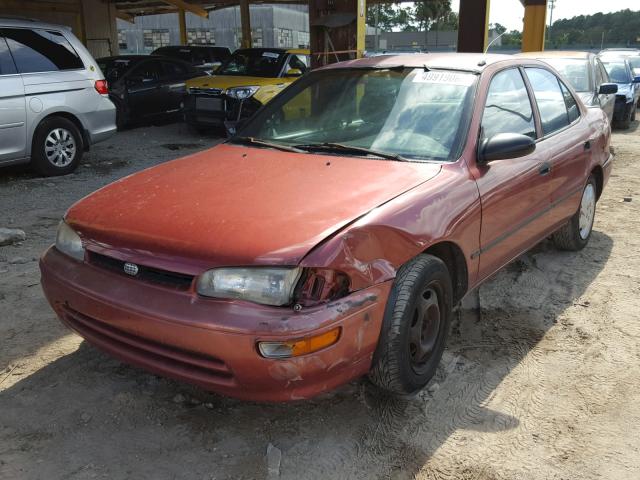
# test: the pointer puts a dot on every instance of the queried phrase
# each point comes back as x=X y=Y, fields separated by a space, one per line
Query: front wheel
x=575 y=234
x=415 y=327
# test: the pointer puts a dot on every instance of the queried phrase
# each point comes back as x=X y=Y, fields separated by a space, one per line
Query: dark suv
x=204 y=58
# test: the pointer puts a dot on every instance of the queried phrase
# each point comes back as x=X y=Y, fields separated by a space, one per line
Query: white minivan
x=54 y=100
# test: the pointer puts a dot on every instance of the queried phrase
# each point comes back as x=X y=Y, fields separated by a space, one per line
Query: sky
x=510 y=12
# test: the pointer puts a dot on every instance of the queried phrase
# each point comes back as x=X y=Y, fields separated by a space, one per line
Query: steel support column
x=535 y=20
x=361 y=27
x=245 y=21
x=182 y=20
x=473 y=26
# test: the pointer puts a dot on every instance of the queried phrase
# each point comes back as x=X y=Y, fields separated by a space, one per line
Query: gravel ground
x=541 y=381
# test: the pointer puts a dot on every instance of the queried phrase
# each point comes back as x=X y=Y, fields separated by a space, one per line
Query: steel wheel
x=587 y=211
x=60 y=147
x=425 y=326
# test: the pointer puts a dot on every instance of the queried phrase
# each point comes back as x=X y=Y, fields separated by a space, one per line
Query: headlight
x=68 y=242
x=241 y=93
x=269 y=285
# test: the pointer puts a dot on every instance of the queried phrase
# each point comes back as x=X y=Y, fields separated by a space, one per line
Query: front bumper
x=209 y=110
x=209 y=342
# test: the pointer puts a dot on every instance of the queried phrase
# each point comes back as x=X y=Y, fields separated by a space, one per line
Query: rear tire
x=415 y=326
x=57 y=147
x=575 y=234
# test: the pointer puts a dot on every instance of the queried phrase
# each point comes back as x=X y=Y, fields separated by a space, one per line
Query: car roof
x=191 y=47
x=556 y=54
x=23 y=22
x=124 y=57
x=472 y=62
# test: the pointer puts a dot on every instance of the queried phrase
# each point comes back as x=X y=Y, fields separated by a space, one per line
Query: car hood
x=228 y=81
x=234 y=205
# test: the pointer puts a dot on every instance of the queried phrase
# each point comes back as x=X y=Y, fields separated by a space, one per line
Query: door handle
x=545 y=169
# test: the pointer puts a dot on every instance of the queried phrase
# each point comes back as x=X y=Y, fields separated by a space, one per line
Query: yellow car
x=243 y=83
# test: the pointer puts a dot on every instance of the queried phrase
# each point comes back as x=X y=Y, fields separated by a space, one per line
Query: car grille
x=206 y=91
x=166 y=359
x=165 y=278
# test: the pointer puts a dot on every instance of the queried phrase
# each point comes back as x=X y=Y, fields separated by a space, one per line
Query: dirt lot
x=540 y=382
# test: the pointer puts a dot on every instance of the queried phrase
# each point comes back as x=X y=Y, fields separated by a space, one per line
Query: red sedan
x=332 y=236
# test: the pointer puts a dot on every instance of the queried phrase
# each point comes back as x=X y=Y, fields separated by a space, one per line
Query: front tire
x=415 y=326
x=575 y=234
x=57 y=147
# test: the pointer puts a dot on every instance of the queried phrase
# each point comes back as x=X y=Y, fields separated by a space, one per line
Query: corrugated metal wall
x=271 y=25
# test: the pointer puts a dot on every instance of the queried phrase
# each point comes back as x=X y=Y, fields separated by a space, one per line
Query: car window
x=174 y=70
x=146 y=72
x=635 y=65
x=7 y=67
x=508 y=107
x=617 y=71
x=570 y=102
x=255 y=63
x=40 y=50
x=550 y=100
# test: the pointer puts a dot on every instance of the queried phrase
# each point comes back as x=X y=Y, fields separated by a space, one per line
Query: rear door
x=13 y=129
x=174 y=75
x=515 y=193
x=566 y=141
x=144 y=89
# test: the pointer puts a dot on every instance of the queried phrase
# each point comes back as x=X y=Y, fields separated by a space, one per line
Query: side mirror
x=608 y=89
x=505 y=145
x=636 y=79
x=293 y=72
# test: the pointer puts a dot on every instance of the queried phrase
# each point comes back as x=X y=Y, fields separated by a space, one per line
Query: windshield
x=413 y=113
x=576 y=71
x=635 y=65
x=253 y=63
x=617 y=72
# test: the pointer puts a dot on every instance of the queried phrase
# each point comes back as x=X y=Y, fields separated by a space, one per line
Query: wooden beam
x=189 y=7
x=245 y=21
x=473 y=25
x=125 y=16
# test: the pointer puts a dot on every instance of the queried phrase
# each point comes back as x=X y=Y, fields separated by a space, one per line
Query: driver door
x=515 y=193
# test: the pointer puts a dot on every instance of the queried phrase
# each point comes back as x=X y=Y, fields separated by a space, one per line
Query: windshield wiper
x=263 y=143
x=340 y=147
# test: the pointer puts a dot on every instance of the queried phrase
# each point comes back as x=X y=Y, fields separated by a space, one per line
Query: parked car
x=53 y=97
x=204 y=57
x=312 y=249
x=619 y=52
x=620 y=72
x=586 y=74
x=247 y=80
x=144 y=87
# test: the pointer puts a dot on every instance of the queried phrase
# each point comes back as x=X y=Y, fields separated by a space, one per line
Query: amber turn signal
x=303 y=346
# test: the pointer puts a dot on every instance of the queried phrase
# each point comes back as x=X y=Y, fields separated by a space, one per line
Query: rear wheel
x=415 y=326
x=575 y=234
x=57 y=147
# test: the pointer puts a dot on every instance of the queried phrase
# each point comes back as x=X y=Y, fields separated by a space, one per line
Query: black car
x=204 y=58
x=144 y=87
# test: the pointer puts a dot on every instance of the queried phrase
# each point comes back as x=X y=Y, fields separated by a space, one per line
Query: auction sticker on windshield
x=446 y=78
